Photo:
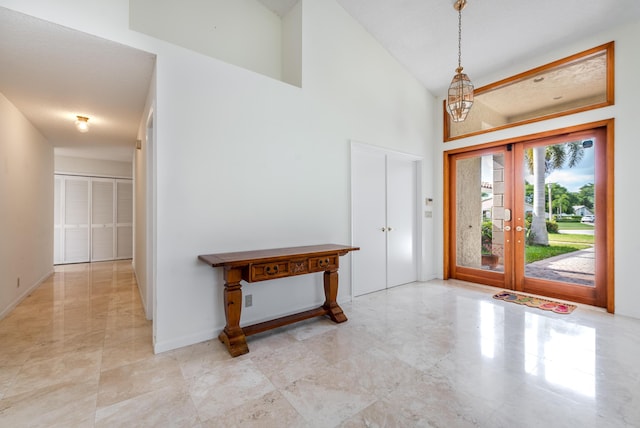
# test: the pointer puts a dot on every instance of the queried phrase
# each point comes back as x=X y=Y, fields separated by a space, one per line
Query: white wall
x=92 y=167
x=26 y=207
x=627 y=151
x=240 y=32
x=144 y=196
x=292 y=45
x=257 y=164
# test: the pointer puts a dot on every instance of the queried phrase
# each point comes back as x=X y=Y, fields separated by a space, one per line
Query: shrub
x=487 y=236
x=552 y=227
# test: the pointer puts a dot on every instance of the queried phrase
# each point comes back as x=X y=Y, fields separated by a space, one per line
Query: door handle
x=519 y=228
x=389 y=229
x=384 y=229
x=507 y=228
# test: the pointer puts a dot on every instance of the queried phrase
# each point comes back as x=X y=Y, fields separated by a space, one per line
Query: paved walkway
x=577 y=267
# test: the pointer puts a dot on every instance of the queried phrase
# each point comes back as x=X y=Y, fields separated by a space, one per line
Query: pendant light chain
x=459 y=40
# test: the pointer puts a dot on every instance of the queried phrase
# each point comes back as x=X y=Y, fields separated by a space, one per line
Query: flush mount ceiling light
x=460 y=96
x=82 y=123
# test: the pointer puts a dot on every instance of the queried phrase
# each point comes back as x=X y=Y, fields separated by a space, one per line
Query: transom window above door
x=580 y=82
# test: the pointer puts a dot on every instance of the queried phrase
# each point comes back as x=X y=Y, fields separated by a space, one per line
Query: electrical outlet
x=248 y=300
x=18 y=284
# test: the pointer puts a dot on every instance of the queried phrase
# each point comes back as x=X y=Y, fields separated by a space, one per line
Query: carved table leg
x=331 y=294
x=232 y=335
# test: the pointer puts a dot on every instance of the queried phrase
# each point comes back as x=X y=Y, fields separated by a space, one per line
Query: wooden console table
x=262 y=265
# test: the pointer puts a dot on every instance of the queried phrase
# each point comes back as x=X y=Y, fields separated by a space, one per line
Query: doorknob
x=507 y=228
x=519 y=228
x=384 y=229
x=389 y=229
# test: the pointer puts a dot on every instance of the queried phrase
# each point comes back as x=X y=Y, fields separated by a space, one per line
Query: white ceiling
x=423 y=34
x=52 y=73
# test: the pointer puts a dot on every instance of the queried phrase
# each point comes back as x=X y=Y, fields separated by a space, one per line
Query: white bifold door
x=102 y=219
x=72 y=222
x=384 y=203
x=124 y=219
x=93 y=219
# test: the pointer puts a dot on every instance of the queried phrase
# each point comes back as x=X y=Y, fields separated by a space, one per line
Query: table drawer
x=318 y=264
x=264 y=271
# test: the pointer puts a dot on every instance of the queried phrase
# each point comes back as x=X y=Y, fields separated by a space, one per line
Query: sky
x=574 y=178
x=570 y=178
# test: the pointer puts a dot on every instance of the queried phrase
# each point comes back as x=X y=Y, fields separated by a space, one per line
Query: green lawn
x=575 y=226
x=559 y=243
x=555 y=238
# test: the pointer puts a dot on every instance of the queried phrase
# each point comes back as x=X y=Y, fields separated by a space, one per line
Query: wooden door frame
x=608 y=163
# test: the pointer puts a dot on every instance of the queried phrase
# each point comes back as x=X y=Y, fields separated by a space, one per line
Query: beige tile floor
x=77 y=352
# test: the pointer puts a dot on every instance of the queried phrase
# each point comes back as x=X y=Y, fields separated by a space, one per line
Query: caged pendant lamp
x=460 y=96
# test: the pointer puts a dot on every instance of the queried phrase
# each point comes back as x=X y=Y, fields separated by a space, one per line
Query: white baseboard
x=191 y=339
x=147 y=313
x=24 y=295
x=430 y=277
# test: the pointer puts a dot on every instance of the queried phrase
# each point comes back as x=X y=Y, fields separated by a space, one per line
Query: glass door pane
x=559 y=208
x=480 y=212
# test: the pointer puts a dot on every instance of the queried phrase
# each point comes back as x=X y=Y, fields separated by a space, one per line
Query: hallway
x=77 y=353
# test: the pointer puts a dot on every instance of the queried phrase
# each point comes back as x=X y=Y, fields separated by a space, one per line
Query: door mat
x=534 y=302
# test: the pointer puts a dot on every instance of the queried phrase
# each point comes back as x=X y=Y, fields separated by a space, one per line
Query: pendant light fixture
x=460 y=96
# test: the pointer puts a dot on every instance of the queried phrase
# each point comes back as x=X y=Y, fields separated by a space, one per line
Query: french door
x=534 y=215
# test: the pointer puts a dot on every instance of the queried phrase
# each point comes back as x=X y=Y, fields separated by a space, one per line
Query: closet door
x=368 y=174
x=402 y=266
x=102 y=219
x=75 y=227
x=124 y=219
x=57 y=221
x=384 y=193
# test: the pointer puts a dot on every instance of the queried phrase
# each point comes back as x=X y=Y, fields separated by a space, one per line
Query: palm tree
x=541 y=161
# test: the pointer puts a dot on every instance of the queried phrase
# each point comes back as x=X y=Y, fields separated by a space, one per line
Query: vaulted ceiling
x=423 y=34
x=47 y=67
